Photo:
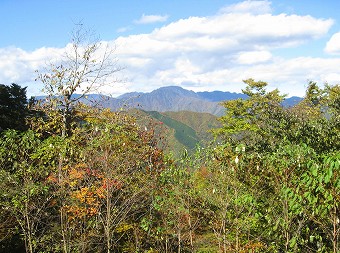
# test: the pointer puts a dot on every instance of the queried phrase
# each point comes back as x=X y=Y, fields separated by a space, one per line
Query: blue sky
x=197 y=44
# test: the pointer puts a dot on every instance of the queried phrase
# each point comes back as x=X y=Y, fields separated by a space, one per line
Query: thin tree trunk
x=108 y=214
x=286 y=220
x=237 y=239
x=29 y=230
x=190 y=233
x=108 y=205
x=64 y=126
x=179 y=240
x=83 y=236
x=224 y=236
x=63 y=232
x=334 y=233
x=136 y=240
x=166 y=244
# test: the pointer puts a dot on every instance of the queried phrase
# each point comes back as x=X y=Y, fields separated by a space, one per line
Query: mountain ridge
x=174 y=98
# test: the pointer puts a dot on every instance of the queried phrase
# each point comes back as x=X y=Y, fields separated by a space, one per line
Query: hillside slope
x=202 y=123
x=177 y=131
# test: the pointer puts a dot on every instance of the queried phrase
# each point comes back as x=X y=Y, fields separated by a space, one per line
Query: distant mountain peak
x=130 y=95
x=177 y=90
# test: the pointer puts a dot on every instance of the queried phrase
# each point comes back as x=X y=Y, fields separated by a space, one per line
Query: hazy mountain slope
x=200 y=122
x=175 y=98
x=177 y=131
x=170 y=98
x=288 y=102
x=218 y=96
x=165 y=135
x=183 y=133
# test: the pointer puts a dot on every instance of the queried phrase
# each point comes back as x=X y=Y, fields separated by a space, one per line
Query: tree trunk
x=166 y=244
x=28 y=231
x=224 y=236
x=107 y=229
x=335 y=230
x=286 y=224
x=190 y=233
x=64 y=124
x=136 y=240
x=63 y=233
x=66 y=117
x=179 y=240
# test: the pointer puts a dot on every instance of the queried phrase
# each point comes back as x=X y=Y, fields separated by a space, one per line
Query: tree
x=103 y=189
x=320 y=192
x=282 y=171
x=315 y=120
x=13 y=107
x=283 y=140
x=86 y=66
x=261 y=122
x=176 y=204
x=128 y=161
x=247 y=120
x=234 y=193
x=24 y=194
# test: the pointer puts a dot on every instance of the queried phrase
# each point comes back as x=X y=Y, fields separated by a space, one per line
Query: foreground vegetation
x=270 y=182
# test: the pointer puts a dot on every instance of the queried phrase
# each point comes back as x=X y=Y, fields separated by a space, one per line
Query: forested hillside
x=178 y=131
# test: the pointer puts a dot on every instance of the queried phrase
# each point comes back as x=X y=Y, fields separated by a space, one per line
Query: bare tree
x=86 y=66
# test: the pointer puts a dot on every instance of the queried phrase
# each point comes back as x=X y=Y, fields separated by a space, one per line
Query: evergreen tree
x=13 y=107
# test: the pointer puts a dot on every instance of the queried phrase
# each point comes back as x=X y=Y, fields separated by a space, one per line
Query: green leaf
x=292 y=242
x=314 y=171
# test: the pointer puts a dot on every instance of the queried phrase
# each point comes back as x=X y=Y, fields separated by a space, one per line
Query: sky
x=200 y=45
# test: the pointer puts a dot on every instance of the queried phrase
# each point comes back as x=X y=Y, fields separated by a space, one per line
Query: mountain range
x=175 y=98
x=172 y=98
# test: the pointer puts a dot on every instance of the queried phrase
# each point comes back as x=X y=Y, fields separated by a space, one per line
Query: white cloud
x=147 y=19
x=17 y=65
x=249 y=6
x=331 y=77
x=333 y=45
x=290 y=76
x=238 y=30
x=253 y=57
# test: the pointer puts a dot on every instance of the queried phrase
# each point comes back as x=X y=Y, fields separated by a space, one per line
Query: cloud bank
x=209 y=53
